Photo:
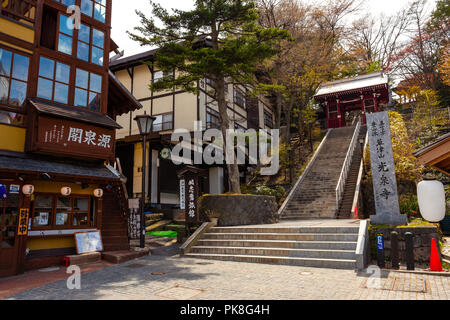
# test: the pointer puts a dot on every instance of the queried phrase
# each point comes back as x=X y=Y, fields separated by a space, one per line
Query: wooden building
x=344 y=100
x=58 y=104
x=436 y=154
x=176 y=109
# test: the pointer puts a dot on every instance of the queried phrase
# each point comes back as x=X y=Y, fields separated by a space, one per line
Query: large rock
x=239 y=210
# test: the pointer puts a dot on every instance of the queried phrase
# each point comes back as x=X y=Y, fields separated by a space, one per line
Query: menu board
x=90 y=241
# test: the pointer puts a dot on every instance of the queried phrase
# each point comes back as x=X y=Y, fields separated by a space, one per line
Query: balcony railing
x=20 y=10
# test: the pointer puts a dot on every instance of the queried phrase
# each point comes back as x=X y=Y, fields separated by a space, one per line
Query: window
x=159 y=75
x=239 y=97
x=68 y=212
x=65 y=34
x=268 y=119
x=20 y=10
x=94 y=8
x=66 y=2
x=211 y=83
x=53 y=82
x=8 y=220
x=88 y=88
x=163 y=122
x=13 y=78
x=91 y=43
x=212 y=119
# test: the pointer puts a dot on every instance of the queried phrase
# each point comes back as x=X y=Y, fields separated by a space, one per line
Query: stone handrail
x=357 y=198
x=346 y=167
x=302 y=177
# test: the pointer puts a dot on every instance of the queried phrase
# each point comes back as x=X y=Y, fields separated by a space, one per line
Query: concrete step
x=283 y=236
x=263 y=229
x=331 y=245
x=283 y=252
x=305 y=262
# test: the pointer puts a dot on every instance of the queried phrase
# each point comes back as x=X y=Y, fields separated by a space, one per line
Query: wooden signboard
x=22 y=229
x=89 y=241
x=61 y=136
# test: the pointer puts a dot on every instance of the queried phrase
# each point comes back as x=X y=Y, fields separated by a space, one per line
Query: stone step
x=295 y=230
x=283 y=252
x=331 y=245
x=305 y=262
x=284 y=236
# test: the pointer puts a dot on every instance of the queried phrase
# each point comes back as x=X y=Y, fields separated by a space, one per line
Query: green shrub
x=263 y=190
x=409 y=206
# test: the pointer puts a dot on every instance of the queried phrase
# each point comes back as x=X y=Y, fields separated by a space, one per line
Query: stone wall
x=239 y=210
x=422 y=242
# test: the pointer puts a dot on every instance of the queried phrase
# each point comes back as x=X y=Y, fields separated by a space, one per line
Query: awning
x=436 y=154
x=37 y=166
x=120 y=100
x=73 y=113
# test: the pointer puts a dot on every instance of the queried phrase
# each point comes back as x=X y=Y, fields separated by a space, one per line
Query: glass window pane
x=99 y=13
x=45 y=88
x=12 y=118
x=83 y=51
x=98 y=38
x=65 y=44
x=80 y=219
x=82 y=79
x=80 y=98
x=4 y=89
x=66 y=25
x=61 y=93
x=46 y=68
x=81 y=204
x=84 y=34
x=68 y=2
x=20 y=68
x=96 y=83
x=64 y=203
x=62 y=72
x=18 y=93
x=43 y=209
x=5 y=62
x=103 y=2
x=86 y=7
x=94 y=101
x=97 y=56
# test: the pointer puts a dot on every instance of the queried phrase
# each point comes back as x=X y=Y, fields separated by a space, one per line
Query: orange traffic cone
x=435 y=260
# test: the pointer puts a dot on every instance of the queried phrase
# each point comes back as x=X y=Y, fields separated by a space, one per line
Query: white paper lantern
x=98 y=193
x=66 y=191
x=28 y=189
x=431 y=197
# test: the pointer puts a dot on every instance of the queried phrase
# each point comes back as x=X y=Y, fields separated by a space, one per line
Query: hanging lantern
x=98 y=193
x=28 y=189
x=431 y=197
x=66 y=191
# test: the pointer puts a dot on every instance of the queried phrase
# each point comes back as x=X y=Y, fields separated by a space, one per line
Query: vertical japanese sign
x=182 y=194
x=191 y=187
x=22 y=229
x=383 y=171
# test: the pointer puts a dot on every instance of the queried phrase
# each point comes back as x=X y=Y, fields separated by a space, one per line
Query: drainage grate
x=179 y=293
x=135 y=266
x=400 y=284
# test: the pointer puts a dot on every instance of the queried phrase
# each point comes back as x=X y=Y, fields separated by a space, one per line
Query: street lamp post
x=145 y=123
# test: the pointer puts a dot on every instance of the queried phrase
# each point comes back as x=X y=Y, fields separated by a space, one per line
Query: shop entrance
x=11 y=245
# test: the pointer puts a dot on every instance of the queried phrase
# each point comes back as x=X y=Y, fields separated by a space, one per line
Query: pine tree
x=217 y=39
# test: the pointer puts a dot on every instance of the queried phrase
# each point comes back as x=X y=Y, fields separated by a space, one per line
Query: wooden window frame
x=239 y=97
x=88 y=89
x=213 y=113
x=164 y=122
x=268 y=116
x=52 y=225
x=58 y=32
x=54 y=81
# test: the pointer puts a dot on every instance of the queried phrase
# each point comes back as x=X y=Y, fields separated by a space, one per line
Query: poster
x=43 y=218
x=14 y=189
x=88 y=242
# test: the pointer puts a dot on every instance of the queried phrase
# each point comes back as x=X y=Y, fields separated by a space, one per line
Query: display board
x=89 y=241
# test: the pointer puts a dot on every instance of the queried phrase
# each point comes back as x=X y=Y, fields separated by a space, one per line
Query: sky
x=124 y=17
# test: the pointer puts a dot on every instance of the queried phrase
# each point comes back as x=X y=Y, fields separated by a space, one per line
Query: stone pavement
x=172 y=278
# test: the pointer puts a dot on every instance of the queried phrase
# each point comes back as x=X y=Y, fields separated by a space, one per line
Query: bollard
x=380 y=250
x=409 y=251
x=394 y=251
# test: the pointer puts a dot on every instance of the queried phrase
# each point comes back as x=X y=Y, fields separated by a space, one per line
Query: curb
x=428 y=273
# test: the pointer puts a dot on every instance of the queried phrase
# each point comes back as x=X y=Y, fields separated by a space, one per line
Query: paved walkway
x=157 y=277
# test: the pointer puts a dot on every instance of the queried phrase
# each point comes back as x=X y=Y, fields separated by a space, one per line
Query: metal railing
x=21 y=10
x=346 y=167
x=357 y=199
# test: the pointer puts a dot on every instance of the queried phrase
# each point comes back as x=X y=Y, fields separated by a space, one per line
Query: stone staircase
x=309 y=246
x=315 y=197
x=345 y=209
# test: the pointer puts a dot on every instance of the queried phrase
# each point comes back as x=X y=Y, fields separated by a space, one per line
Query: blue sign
x=380 y=244
x=3 y=192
